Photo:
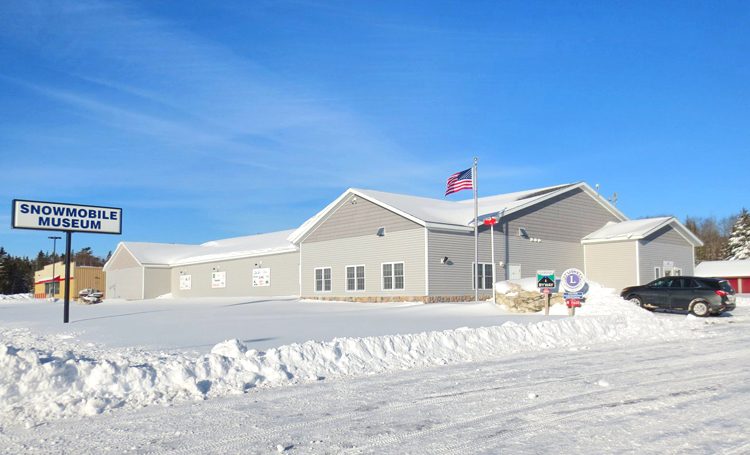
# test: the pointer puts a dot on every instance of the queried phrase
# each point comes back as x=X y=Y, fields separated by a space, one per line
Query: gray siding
x=125 y=283
x=359 y=220
x=239 y=277
x=370 y=250
x=612 y=264
x=565 y=218
x=664 y=245
x=156 y=282
x=454 y=278
x=122 y=260
x=559 y=223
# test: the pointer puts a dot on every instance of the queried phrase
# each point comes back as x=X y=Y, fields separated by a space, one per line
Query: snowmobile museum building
x=377 y=246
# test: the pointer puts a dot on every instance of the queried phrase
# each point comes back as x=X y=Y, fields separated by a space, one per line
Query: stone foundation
x=421 y=298
x=519 y=301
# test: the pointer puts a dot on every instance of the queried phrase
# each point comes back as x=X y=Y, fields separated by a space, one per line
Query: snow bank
x=17 y=297
x=48 y=377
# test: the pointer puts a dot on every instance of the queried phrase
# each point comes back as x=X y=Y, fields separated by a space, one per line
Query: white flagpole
x=476 y=235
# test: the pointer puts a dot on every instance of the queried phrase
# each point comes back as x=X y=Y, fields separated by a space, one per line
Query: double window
x=482 y=276
x=355 y=278
x=52 y=288
x=323 y=279
x=393 y=276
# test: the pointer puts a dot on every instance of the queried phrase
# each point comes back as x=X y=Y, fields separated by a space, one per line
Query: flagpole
x=476 y=235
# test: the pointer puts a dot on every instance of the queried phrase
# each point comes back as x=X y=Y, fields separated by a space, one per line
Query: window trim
x=484 y=275
x=393 y=276
x=323 y=279
x=346 y=278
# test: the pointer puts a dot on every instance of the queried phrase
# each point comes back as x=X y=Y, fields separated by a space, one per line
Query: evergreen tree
x=738 y=245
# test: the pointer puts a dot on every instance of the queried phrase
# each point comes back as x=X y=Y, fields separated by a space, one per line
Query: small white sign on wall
x=218 y=280
x=262 y=277
x=185 y=282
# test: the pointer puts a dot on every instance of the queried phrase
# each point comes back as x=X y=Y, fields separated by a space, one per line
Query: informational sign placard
x=545 y=278
x=186 y=282
x=54 y=216
x=262 y=277
x=218 y=280
x=572 y=280
x=573 y=295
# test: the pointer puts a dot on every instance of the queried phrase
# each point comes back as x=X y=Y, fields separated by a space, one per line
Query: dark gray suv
x=698 y=295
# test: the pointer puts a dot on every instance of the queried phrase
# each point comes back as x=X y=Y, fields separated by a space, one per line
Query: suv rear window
x=726 y=286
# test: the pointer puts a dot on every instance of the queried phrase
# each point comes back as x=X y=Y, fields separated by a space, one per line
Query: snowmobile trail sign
x=68 y=218
x=54 y=216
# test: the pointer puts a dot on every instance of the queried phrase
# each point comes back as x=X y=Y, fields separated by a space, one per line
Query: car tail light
x=720 y=292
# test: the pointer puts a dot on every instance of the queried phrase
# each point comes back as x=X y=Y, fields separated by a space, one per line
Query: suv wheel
x=635 y=300
x=700 y=309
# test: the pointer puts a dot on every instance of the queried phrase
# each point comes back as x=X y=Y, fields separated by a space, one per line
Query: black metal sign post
x=68 y=218
x=66 y=310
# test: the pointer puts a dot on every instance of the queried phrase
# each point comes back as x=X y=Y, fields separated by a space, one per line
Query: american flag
x=459 y=181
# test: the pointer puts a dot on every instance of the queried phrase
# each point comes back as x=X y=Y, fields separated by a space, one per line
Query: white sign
x=218 y=280
x=572 y=280
x=53 y=216
x=262 y=277
x=185 y=282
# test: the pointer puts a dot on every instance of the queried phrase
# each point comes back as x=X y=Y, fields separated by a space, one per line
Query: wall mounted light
x=354 y=201
x=444 y=260
x=522 y=233
x=381 y=232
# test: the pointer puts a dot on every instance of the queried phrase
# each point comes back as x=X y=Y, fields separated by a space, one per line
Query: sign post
x=545 y=280
x=573 y=282
x=68 y=218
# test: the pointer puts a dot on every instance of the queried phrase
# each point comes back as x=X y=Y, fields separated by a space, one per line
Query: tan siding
x=612 y=264
x=122 y=260
x=90 y=277
x=405 y=246
x=357 y=220
x=239 y=277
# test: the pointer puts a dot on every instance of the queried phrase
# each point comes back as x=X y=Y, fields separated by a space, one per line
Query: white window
x=393 y=276
x=657 y=273
x=323 y=279
x=355 y=278
x=677 y=271
x=484 y=277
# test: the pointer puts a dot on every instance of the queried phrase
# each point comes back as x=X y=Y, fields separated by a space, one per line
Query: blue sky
x=209 y=120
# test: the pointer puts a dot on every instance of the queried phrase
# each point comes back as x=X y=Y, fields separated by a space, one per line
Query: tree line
x=17 y=272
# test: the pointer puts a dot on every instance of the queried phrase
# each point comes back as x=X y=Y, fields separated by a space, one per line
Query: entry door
x=514 y=271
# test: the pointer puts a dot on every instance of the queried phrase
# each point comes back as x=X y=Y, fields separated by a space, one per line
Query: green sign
x=545 y=278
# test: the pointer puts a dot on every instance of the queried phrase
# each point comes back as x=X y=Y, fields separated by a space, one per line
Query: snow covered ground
x=158 y=377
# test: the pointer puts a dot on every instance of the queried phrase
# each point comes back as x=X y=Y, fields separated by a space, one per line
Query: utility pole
x=54 y=260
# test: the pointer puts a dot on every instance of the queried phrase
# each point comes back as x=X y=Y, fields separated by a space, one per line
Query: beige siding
x=665 y=245
x=358 y=220
x=156 y=282
x=125 y=284
x=122 y=259
x=612 y=264
x=405 y=246
x=239 y=277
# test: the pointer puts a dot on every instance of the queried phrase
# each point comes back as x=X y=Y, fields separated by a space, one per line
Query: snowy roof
x=637 y=230
x=167 y=254
x=724 y=269
x=440 y=213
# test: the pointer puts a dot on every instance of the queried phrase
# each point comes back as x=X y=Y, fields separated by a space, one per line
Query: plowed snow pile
x=47 y=377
